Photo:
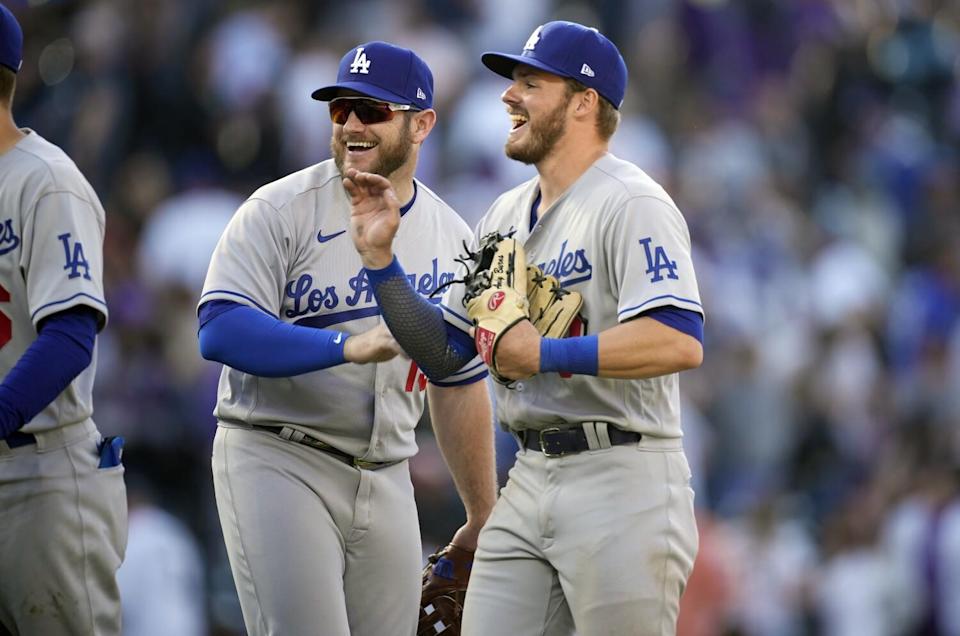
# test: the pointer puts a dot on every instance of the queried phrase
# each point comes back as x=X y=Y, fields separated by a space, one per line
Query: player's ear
x=586 y=102
x=422 y=123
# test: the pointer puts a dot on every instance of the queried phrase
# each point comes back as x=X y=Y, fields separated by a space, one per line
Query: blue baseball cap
x=11 y=40
x=383 y=71
x=569 y=50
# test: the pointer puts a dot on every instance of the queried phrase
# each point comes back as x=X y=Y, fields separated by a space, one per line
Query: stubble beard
x=393 y=155
x=541 y=138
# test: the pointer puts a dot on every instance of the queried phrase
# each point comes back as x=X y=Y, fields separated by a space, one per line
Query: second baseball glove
x=552 y=308
x=445 y=581
x=496 y=296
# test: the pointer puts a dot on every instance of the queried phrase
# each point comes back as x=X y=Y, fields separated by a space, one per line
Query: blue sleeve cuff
x=683 y=320
x=213 y=308
x=377 y=276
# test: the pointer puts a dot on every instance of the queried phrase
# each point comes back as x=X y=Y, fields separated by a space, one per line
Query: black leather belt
x=554 y=442
x=19 y=438
x=334 y=452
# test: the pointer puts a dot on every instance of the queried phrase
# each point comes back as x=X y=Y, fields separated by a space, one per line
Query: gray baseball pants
x=600 y=541
x=316 y=546
x=62 y=536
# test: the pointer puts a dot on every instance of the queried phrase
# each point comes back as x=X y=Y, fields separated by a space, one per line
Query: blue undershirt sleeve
x=251 y=341
x=62 y=350
x=683 y=320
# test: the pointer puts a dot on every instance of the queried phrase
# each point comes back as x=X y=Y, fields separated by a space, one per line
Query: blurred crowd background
x=812 y=146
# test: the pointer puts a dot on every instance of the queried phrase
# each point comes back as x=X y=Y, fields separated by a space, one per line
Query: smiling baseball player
x=595 y=530
x=316 y=411
x=63 y=525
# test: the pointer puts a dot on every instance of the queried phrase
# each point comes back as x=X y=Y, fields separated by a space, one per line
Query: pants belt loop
x=603 y=434
x=64 y=435
x=519 y=439
x=290 y=434
x=590 y=431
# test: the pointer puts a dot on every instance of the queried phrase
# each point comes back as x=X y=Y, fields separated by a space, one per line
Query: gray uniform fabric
x=63 y=533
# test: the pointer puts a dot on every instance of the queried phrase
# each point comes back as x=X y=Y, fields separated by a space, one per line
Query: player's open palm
x=374 y=216
x=375 y=345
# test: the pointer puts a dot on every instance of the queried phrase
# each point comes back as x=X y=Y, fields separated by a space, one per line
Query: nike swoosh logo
x=339 y=335
x=324 y=239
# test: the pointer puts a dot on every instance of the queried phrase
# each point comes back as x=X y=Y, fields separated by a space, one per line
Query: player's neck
x=10 y=135
x=402 y=181
x=569 y=159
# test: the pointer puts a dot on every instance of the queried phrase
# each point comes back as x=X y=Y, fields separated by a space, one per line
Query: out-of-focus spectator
x=162 y=576
x=707 y=605
x=775 y=560
x=861 y=589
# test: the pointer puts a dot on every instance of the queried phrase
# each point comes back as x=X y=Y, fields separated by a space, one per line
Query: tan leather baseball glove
x=552 y=308
x=496 y=296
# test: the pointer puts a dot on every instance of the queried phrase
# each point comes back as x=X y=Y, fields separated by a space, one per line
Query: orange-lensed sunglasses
x=368 y=111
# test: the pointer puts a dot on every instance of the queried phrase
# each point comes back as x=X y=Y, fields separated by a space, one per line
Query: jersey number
x=415 y=378
x=6 y=325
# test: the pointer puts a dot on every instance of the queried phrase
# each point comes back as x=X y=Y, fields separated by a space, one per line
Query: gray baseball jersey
x=51 y=259
x=287 y=252
x=617 y=238
x=65 y=524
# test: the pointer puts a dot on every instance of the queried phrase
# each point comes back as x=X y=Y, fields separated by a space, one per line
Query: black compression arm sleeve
x=417 y=325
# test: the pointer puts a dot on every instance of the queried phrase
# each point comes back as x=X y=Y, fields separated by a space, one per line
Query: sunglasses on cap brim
x=368 y=111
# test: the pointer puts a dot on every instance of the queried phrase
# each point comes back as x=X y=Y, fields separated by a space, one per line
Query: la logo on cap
x=360 y=63
x=533 y=39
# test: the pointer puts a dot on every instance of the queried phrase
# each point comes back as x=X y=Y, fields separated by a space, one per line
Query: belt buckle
x=543 y=443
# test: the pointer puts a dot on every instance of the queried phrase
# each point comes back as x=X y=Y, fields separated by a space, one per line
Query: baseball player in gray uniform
x=594 y=531
x=64 y=509
x=316 y=410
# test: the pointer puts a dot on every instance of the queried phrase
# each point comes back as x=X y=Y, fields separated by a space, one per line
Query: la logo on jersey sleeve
x=74 y=257
x=658 y=261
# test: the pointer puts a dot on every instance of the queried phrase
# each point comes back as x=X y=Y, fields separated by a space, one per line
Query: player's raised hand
x=375 y=345
x=374 y=216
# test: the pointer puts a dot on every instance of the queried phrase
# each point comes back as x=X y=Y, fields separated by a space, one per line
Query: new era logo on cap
x=383 y=71
x=569 y=50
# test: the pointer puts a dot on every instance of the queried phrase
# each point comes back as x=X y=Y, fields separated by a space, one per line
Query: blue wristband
x=578 y=355
x=377 y=276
